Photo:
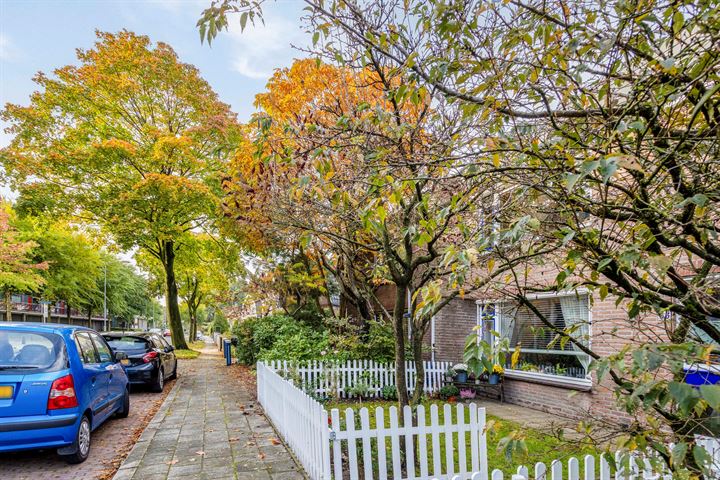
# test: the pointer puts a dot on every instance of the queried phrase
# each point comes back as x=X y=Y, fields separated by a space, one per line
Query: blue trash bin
x=228 y=352
x=697 y=375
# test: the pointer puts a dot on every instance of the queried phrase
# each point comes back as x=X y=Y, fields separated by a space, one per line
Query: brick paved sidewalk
x=209 y=427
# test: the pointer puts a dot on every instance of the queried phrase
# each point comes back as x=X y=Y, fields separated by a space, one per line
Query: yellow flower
x=498 y=369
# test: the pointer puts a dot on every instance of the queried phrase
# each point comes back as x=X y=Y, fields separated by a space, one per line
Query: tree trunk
x=171 y=297
x=67 y=316
x=8 y=306
x=192 y=311
x=417 y=342
x=399 y=321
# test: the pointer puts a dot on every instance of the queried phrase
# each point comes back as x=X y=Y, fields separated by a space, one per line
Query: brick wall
x=557 y=400
x=452 y=326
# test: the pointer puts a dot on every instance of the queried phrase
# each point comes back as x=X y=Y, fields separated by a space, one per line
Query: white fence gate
x=328 y=378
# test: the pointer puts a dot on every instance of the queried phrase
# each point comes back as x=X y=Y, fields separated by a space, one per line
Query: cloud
x=8 y=50
x=262 y=48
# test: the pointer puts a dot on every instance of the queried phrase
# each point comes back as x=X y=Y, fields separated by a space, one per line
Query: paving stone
x=210 y=427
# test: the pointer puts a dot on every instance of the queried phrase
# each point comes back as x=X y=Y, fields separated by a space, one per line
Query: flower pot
x=494 y=379
x=461 y=377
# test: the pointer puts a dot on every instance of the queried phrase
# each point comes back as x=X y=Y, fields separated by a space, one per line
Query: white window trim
x=583 y=384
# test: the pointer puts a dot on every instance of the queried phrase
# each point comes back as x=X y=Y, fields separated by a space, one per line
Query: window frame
x=95 y=337
x=583 y=384
x=81 y=351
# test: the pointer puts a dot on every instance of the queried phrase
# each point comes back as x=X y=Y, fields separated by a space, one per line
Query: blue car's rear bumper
x=38 y=431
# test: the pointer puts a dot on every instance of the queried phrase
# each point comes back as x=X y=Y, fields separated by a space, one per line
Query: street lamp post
x=105 y=325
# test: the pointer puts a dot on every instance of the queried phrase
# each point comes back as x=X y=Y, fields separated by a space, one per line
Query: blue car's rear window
x=22 y=351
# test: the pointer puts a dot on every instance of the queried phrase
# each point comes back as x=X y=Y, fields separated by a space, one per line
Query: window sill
x=581 y=384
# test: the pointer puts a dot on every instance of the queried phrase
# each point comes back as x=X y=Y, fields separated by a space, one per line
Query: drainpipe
x=432 y=338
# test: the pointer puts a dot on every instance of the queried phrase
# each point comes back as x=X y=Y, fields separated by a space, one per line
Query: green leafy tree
x=127 y=292
x=130 y=139
x=73 y=263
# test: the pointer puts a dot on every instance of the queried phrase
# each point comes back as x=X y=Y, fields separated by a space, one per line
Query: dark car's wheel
x=157 y=387
x=174 y=373
x=81 y=444
x=125 y=409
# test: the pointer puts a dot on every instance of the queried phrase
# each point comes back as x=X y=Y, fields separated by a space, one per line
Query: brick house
x=548 y=377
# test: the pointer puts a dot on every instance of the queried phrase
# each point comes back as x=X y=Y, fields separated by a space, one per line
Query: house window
x=541 y=349
x=486 y=322
x=698 y=335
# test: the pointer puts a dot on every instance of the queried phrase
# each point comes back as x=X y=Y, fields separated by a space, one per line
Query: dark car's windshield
x=22 y=351
x=127 y=343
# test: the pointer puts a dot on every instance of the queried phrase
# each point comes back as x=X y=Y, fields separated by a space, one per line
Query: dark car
x=150 y=360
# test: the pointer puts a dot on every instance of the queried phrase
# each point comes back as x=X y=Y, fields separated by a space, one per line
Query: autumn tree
x=358 y=163
x=130 y=139
x=606 y=115
x=18 y=272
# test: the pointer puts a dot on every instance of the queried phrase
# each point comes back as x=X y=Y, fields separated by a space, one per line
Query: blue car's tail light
x=62 y=394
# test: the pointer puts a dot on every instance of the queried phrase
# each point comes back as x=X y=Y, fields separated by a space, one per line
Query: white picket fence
x=436 y=443
x=328 y=378
x=352 y=445
x=592 y=468
x=337 y=447
x=298 y=418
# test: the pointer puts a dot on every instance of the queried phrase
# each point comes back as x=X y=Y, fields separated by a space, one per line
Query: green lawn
x=540 y=447
x=186 y=354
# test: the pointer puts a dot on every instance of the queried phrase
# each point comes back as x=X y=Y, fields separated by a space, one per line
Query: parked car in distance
x=150 y=358
x=58 y=383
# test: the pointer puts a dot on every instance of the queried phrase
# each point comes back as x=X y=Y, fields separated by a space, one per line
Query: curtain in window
x=576 y=314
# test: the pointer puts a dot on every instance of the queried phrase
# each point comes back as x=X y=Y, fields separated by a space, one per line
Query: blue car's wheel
x=125 y=409
x=81 y=444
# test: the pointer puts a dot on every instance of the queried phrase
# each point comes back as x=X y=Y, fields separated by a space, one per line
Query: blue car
x=58 y=383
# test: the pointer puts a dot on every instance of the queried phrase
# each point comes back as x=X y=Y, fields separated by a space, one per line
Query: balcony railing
x=54 y=310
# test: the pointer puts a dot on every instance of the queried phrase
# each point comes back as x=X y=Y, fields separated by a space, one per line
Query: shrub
x=278 y=337
x=389 y=392
x=362 y=388
x=305 y=337
x=448 y=391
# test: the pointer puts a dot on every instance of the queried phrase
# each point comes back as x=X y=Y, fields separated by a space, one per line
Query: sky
x=41 y=35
